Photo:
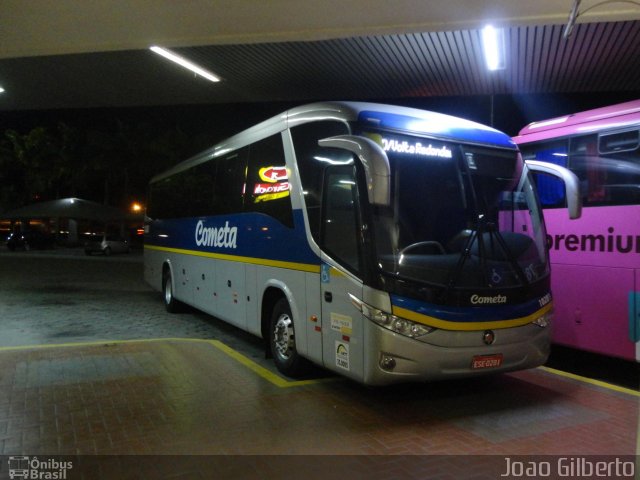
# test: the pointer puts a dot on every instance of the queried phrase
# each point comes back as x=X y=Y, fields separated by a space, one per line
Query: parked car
x=107 y=244
x=30 y=239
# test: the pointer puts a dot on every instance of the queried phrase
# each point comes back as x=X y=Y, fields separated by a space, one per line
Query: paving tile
x=188 y=397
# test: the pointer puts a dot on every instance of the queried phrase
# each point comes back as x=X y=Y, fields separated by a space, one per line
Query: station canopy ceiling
x=70 y=54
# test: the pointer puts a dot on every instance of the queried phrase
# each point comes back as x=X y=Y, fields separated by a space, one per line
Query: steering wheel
x=426 y=243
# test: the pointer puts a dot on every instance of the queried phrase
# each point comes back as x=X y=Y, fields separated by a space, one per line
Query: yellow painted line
x=260 y=370
x=467 y=326
x=274 y=378
x=304 y=267
x=591 y=381
x=86 y=344
x=638 y=443
x=234 y=354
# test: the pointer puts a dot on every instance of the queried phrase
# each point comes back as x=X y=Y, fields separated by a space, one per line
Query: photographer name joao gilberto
x=569 y=467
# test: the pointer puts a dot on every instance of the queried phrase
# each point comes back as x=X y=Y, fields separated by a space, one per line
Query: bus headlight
x=544 y=320
x=391 y=322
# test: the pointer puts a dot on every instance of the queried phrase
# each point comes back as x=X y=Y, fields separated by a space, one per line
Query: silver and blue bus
x=384 y=243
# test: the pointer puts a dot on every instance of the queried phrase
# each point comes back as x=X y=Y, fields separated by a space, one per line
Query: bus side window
x=615 y=142
x=608 y=167
x=312 y=159
x=551 y=190
x=268 y=189
x=340 y=217
x=199 y=192
x=588 y=166
x=229 y=185
x=185 y=194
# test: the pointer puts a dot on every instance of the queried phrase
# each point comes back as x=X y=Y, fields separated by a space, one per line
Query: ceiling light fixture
x=169 y=55
x=493 y=46
x=2 y=90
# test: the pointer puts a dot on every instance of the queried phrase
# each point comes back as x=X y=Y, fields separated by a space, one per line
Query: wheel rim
x=168 y=295
x=283 y=337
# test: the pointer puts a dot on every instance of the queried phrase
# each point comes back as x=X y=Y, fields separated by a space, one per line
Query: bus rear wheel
x=283 y=342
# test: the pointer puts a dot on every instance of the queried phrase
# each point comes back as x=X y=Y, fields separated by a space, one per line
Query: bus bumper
x=445 y=354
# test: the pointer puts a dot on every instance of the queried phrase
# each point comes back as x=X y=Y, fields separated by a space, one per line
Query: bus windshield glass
x=460 y=216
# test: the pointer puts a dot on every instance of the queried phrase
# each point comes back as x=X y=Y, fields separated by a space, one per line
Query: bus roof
x=402 y=119
x=615 y=116
x=410 y=120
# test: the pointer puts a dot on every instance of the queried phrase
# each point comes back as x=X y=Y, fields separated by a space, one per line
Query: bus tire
x=283 y=343
x=170 y=302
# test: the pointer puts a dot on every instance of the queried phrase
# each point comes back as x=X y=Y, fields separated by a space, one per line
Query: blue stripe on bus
x=484 y=313
x=431 y=123
x=256 y=235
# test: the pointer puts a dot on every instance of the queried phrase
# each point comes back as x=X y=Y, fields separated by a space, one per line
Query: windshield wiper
x=509 y=256
x=482 y=228
x=466 y=253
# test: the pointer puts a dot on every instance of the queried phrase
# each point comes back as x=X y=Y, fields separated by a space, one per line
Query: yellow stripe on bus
x=304 y=267
x=448 y=325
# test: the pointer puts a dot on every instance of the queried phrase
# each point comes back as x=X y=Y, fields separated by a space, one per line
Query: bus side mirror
x=376 y=164
x=571 y=183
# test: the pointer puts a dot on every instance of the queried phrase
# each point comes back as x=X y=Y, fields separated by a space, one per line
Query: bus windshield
x=460 y=216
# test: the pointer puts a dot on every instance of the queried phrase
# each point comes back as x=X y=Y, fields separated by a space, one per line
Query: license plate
x=486 y=361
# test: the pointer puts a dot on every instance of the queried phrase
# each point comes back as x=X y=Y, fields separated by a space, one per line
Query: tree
x=30 y=160
x=109 y=165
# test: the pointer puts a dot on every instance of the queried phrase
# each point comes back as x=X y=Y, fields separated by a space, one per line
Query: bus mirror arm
x=373 y=159
x=571 y=183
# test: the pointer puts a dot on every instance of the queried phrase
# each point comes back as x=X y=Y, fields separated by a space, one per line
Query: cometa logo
x=216 y=237
x=497 y=299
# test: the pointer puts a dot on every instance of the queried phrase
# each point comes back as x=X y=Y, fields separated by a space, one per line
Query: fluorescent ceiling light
x=2 y=90
x=493 y=46
x=184 y=63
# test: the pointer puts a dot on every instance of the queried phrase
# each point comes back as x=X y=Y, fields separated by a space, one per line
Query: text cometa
x=216 y=237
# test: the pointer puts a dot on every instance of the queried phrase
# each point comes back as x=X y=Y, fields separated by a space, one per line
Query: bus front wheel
x=171 y=304
x=283 y=342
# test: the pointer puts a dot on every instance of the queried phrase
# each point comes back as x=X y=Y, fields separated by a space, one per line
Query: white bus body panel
x=342 y=323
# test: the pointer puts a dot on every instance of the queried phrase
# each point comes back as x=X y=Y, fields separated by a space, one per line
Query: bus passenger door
x=342 y=331
x=342 y=335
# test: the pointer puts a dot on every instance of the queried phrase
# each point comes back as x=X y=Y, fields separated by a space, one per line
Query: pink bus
x=596 y=259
